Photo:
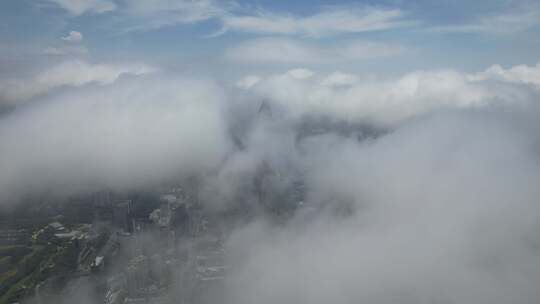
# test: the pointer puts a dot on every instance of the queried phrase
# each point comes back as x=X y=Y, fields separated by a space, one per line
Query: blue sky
x=221 y=37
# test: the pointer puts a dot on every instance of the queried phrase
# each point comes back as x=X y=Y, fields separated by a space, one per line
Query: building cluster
x=18 y=236
x=171 y=257
x=170 y=253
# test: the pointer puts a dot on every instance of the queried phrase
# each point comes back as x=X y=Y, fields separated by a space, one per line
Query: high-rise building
x=122 y=215
x=137 y=275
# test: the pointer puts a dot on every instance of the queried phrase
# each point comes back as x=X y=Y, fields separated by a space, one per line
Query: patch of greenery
x=43 y=262
x=25 y=277
x=7 y=275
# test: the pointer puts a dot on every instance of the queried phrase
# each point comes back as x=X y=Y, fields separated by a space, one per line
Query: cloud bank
x=390 y=102
x=134 y=133
x=74 y=73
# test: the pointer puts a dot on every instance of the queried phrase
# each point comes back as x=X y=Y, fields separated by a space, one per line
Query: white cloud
x=285 y=50
x=330 y=20
x=73 y=36
x=79 y=7
x=68 y=73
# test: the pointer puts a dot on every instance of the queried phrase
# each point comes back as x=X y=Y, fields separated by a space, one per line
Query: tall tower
x=122 y=215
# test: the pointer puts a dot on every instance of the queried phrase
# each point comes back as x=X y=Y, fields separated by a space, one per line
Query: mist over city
x=259 y=151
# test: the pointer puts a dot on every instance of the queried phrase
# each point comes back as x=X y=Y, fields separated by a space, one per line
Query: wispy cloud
x=501 y=23
x=285 y=50
x=71 y=45
x=79 y=7
x=66 y=50
x=156 y=14
x=330 y=20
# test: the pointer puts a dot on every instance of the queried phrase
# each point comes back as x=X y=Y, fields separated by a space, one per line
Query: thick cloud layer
x=442 y=209
x=445 y=210
x=441 y=206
